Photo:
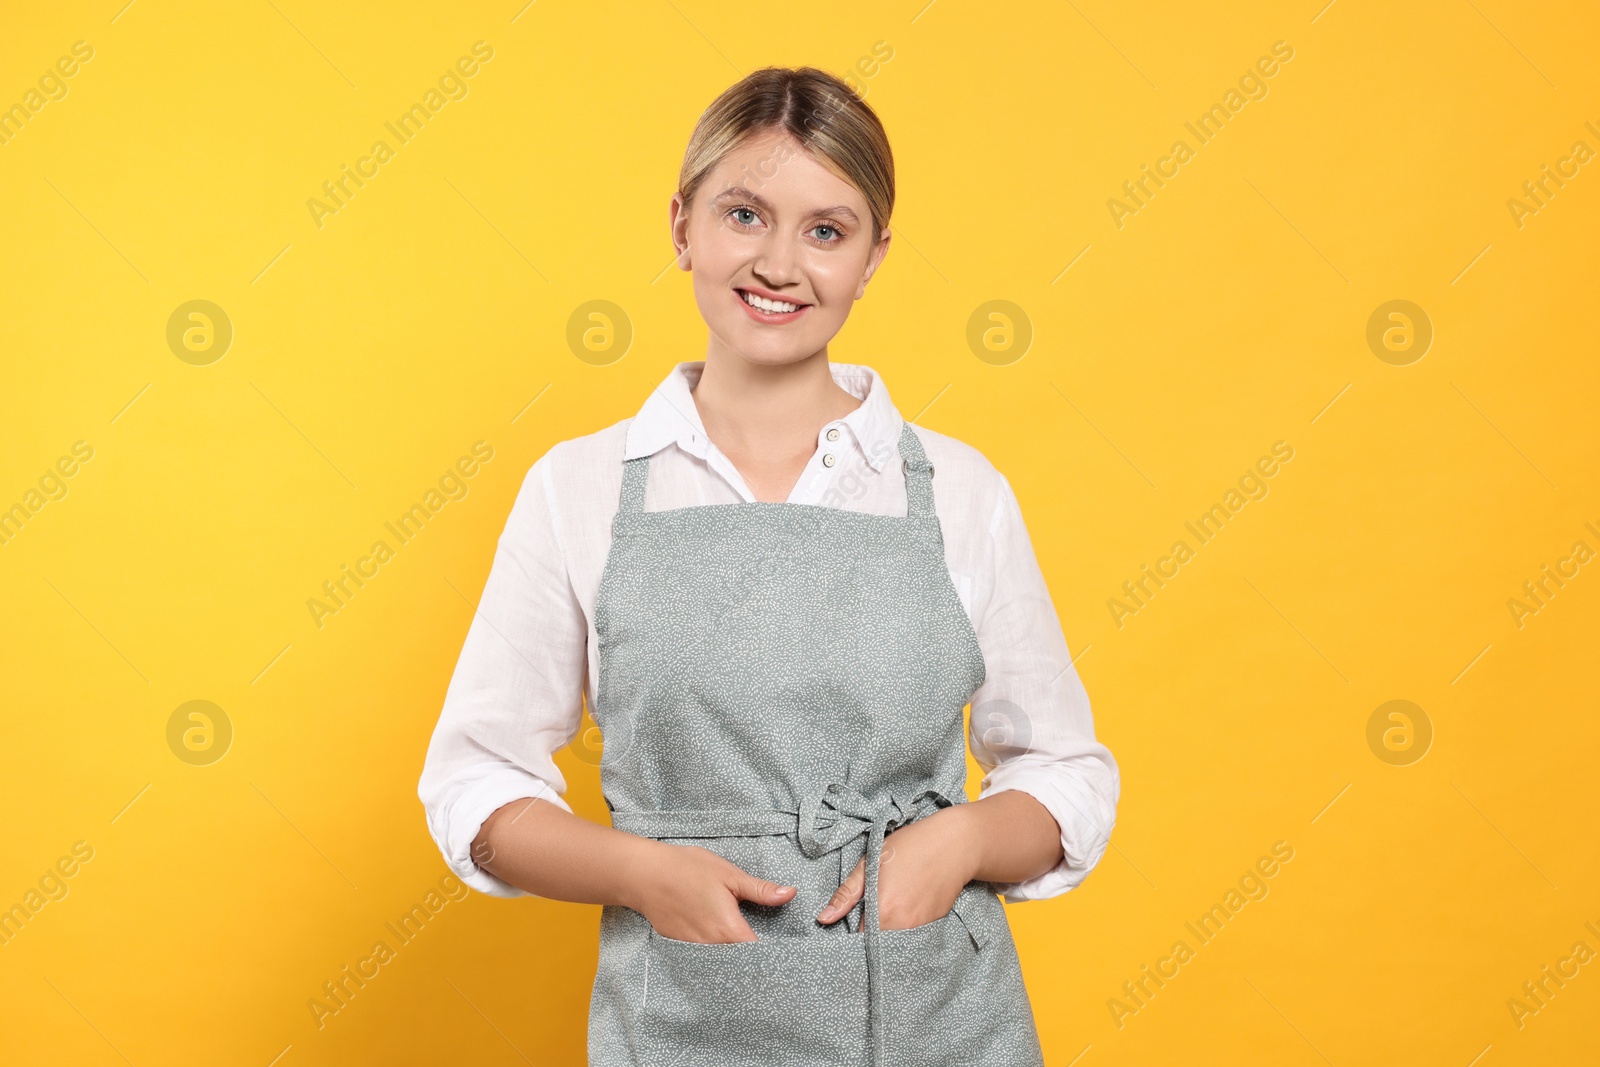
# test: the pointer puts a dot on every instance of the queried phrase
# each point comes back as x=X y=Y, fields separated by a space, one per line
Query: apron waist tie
x=828 y=818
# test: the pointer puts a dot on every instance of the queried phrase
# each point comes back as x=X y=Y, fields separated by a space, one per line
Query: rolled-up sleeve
x=516 y=695
x=1031 y=727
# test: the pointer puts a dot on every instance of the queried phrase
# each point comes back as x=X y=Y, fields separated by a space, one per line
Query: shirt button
x=827 y=460
x=833 y=434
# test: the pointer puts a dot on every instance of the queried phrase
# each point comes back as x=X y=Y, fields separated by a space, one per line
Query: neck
x=765 y=418
x=764 y=410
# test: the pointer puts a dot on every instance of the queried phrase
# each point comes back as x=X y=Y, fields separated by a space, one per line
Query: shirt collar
x=669 y=416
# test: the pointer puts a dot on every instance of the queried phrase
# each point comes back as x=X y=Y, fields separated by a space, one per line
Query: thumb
x=844 y=898
x=760 y=891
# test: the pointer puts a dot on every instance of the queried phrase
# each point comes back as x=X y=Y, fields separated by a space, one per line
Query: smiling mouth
x=771 y=307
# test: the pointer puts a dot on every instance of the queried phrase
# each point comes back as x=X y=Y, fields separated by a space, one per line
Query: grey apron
x=783 y=684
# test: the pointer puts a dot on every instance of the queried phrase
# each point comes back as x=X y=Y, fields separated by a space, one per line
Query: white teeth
x=767 y=305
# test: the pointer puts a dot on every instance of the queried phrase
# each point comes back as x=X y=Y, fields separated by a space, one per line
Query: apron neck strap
x=635 y=473
x=919 y=475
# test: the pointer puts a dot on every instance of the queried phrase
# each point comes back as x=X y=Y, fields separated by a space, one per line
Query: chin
x=778 y=359
x=765 y=348
x=767 y=352
x=797 y=344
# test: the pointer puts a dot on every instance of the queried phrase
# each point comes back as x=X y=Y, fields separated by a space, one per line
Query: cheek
x=835 y=281
x=715 y=299
x=715 y=263
x=723 y=257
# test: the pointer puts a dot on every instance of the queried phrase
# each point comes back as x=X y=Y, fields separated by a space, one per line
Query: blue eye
x=742 y=211
x=824 y=226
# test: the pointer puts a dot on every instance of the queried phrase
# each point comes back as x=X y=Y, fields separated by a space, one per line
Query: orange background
x=1163 y=357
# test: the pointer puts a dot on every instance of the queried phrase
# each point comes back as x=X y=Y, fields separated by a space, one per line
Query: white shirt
x=531 y=652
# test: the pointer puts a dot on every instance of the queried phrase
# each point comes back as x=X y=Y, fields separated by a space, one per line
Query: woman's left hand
x=924 y=867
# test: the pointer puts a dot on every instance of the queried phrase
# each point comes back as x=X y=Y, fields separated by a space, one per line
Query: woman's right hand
x=689 y=893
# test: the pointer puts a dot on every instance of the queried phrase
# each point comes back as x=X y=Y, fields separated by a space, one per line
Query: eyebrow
x=739 y=192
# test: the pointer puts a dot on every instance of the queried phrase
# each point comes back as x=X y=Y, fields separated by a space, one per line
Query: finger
x=761 y=891
x=845 y=897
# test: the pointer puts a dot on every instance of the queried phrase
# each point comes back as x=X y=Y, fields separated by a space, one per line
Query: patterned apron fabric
x=783 y=684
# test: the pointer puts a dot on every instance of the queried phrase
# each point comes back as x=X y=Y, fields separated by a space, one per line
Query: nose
x=777 y=261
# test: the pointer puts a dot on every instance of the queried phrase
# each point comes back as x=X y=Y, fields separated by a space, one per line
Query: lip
x=768 y=317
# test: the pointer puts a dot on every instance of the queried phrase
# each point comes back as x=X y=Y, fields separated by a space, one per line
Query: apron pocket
x=789 y=1001
x=951 y=996
x=970 y=914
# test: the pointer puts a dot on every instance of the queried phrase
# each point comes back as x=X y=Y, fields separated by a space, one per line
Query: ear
x=678 y=226
x=879 y=250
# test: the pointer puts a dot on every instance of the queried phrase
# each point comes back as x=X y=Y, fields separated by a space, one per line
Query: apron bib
x=783 y=684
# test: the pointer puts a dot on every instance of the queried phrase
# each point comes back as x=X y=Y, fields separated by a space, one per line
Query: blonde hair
x=819 y=110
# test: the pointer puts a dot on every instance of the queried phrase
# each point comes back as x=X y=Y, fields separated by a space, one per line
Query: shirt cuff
x=458 y=825
x=1084 y=815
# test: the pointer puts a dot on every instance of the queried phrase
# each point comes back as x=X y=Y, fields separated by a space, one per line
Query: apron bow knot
x=835 y=815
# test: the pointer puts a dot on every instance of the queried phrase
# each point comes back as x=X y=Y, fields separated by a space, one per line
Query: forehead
x=775 y=166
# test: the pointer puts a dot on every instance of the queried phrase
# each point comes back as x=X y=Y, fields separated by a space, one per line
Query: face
x=770 y=221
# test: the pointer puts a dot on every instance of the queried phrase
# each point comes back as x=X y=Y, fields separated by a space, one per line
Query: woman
x=777 y=631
